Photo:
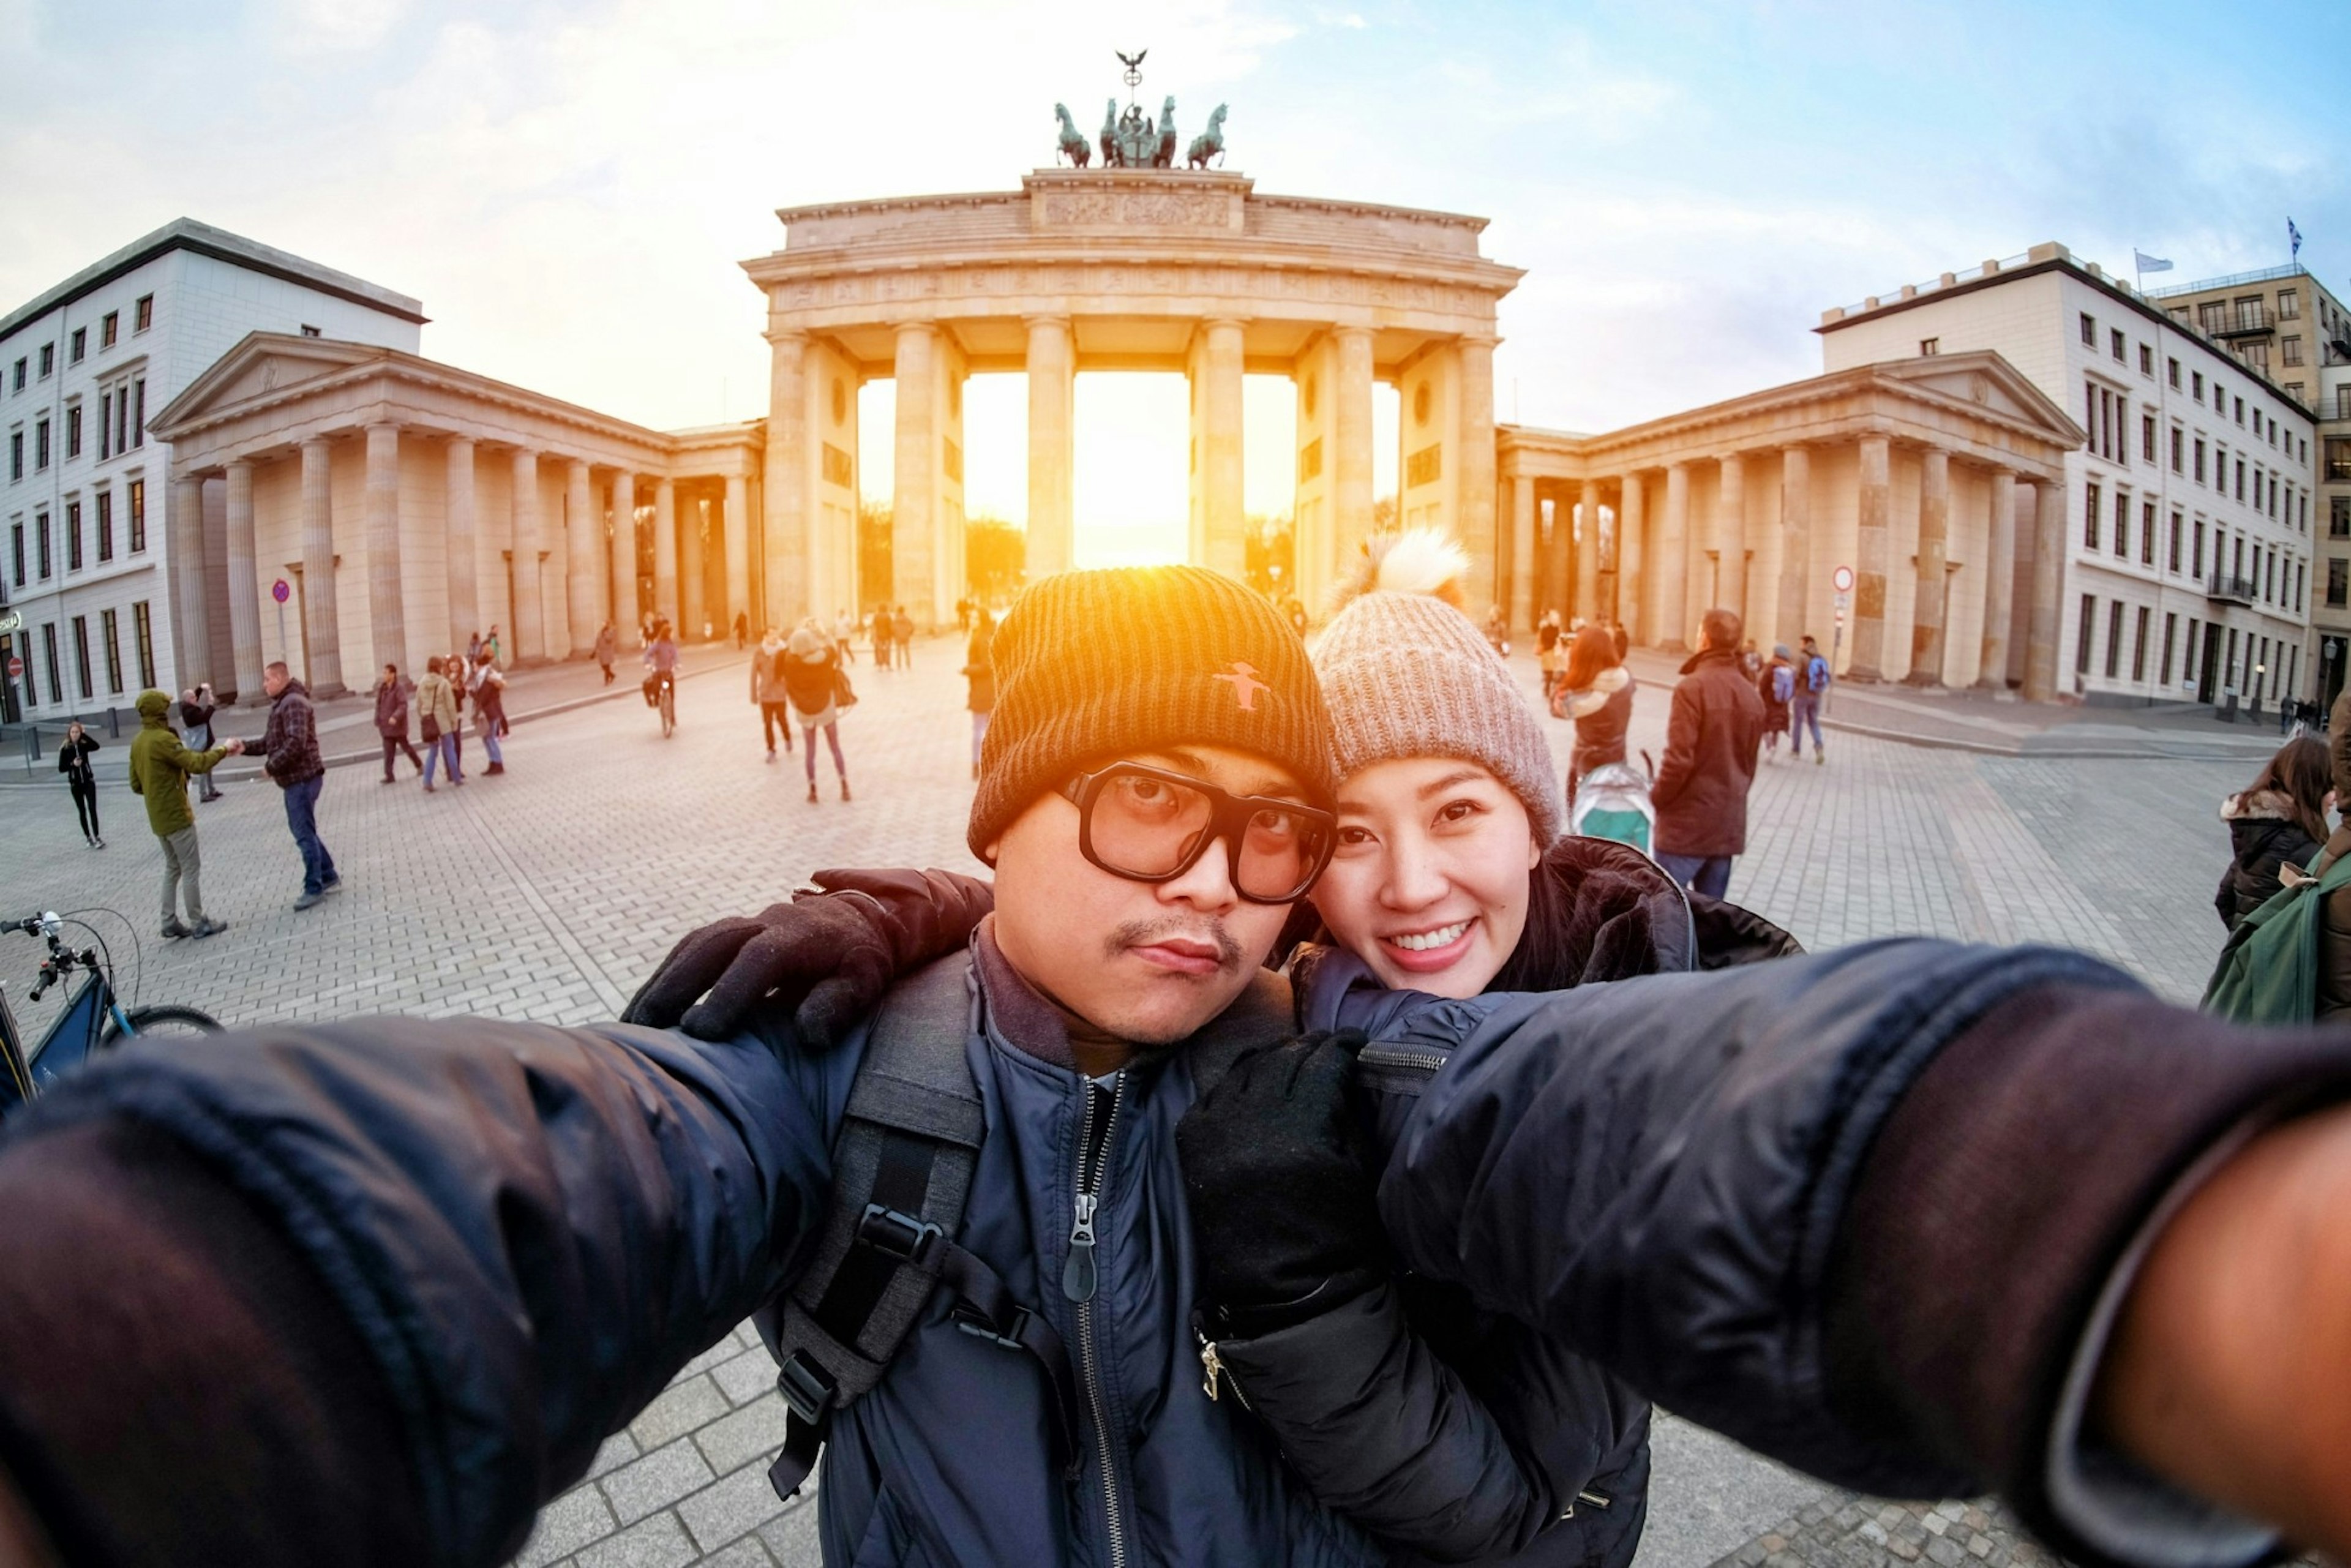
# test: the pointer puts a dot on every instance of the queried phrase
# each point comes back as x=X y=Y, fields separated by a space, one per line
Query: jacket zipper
x=1078 y=1279
x=1213 y=1369
x=1401 y=1056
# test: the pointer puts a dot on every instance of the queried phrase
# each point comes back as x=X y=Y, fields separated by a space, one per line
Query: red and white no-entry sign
x=1842 y=580
x=15 y=668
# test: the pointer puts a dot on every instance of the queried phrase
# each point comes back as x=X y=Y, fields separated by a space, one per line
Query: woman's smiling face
x=1428 y=884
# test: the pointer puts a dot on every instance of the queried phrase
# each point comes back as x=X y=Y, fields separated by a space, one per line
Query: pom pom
x=1414 y=560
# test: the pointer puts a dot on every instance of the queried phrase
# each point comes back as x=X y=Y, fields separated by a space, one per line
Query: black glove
x=827 y=959
x=1281 y=1196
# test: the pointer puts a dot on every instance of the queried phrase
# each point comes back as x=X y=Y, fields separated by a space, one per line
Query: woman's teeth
x=1424 y=940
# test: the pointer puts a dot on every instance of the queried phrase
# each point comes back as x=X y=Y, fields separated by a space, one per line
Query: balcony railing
x=2232 y=590
x=2234 y=280
x=2244 y=321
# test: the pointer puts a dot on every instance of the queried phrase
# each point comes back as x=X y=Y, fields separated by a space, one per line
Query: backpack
x=1816 y=674
x=903 y=1163
x=2268 y=971
x=1783 y=683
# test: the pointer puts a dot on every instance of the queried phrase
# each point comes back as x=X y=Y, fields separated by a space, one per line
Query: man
x=1700 y=794
x=901 y=633
x=1804 y=706
x=398 y=1279
x=291 y=759
x=607 y=649
x=392 y=694
x=160 y=765
x=196 y=710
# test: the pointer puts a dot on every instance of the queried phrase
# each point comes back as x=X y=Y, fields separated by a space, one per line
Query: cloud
x=310 y=27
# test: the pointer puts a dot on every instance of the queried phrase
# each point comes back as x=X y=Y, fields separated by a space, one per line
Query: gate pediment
x=1149 y=199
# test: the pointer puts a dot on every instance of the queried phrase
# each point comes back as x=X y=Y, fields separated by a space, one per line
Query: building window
x=2343 y=401
x=2089 y=625
x=2290 y=350
x=81 y=657
x=2121 y=526
x=48 y=360
x=2237 y=556
x=105 y=422
x=80 y=341
x=2240 y=479
x=1928 y=346
x=2339 y=582
x=309 y=330
x=142 y=637
x=2173 y=371
x=16 y=380
x=142 y=313
x=49 y=657
x=2170 y=629
x=2147 y=533
x=2138 y=647
x=16 y=456
x=16 y=549
x=40 y=444
x=73 y=430
x=2198 y=574
x=2196 y=382
x=73 y=536
x=2338 y=517
x=2178 y=450
x=2114 y=638
x=108 y=633
x=2089 y=331
x=2147 y=436
x=105 y=526
x=135 y=501
x=2199 y=460
x=2240 y=411
x=2115 y=343
x=2145 y=360
x=2175 y=541
x=2289 y=305
x=139 y=412
x=109 y=329
x=2090 y=521
x=41 y=539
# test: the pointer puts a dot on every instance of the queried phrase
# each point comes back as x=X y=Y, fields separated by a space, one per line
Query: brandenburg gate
x=1121 y=269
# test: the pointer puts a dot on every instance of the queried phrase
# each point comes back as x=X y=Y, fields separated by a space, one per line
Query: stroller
x=1612 y=801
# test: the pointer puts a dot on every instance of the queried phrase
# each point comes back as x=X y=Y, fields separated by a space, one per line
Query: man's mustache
x=1142 y=933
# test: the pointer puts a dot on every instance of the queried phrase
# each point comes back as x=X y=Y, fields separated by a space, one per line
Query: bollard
x=114 y=724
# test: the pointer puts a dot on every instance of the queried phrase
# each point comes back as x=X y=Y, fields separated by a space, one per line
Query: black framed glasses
x=1148 y=824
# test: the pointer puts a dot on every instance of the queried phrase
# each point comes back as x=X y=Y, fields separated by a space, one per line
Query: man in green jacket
x=160 y=766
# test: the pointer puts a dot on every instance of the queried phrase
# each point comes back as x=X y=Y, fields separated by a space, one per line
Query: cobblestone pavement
x=550 y=893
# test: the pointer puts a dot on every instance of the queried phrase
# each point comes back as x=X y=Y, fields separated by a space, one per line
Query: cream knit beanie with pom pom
x=1405 y=673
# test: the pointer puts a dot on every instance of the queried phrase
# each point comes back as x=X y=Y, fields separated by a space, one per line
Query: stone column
x=1632 y=558
x=737 y=524
x=1730 y=539
x=1351 y=422
x=665 y=556
x=1796 y=573
x=465 y=604
x=1870 y=564
x=529 y=628
x=583 y=525
x=1688 y=601
x=1559 y=561
x=2000 y=581
x=786 y=496
x=1475 y=496
x=2048 y=504
x=1587 y=551
x=1523 y=608
x=187 y=549
x=1934 y=581
x=1220 y=457
x=913 y=527
x=628 y=616
x=387 y=620
x=243 y=582
x=1052 y=411
x=1661 y=581
x=321 y=618
x=692 y=574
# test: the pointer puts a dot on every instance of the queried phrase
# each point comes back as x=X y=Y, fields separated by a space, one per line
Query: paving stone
x=565 y=1525
x=791 y=1536
x=742 y=1503
x=658 y=1479
x=617 y=1450
x=754 y=1432
x=677 y=1410
x=746 y=1377
x=659 y=1541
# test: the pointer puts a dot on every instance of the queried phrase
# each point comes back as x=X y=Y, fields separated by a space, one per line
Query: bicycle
x=94 y=1017
x=668 y=704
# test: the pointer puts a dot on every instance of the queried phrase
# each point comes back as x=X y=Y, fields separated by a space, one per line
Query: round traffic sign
x=15 y=668
x=281 y=590
x=1842 y=580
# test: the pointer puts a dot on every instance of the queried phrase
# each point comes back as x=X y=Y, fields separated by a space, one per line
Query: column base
x=1923 y=682
x=1861 y=675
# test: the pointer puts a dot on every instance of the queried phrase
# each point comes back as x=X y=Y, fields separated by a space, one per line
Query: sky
x=569 y=188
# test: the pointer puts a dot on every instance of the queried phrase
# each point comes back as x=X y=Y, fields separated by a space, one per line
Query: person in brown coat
x=1700 y=794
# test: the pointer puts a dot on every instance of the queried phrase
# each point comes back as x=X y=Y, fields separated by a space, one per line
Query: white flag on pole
x=2150 y=263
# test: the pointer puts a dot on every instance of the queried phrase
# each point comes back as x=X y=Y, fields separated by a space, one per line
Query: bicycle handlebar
x=34 y=924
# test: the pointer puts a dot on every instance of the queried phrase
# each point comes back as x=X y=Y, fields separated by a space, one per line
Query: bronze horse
x=1074 y=146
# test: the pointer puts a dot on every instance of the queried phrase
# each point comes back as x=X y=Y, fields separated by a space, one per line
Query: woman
x=488 y=688
x=73 y=761
x=1595 y=690
x=812 y=682
x=2280 y=816
x=1549 y=657
x=436 y=718
x=392 y=720
x=768 y=690
x=607 y=648
x=1777 y=687
x=196 y=710
x=879 y=624
x=979 y=672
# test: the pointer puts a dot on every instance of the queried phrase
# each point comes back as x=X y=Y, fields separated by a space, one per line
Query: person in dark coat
x=980 y=679
x=2279 y=817
x=1595 y=690
x=767 y=691
x=1777 y=685
x=293 y=762
x=81 y=782
x=901 y=633
x=392 y=694
x=607 y=649
x=196 y=709
x=1712 y=739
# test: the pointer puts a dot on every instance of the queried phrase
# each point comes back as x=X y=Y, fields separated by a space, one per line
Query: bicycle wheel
x=668 y=711
x=174 y=1022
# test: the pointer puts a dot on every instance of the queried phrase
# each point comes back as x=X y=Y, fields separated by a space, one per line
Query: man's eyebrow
x=1278 y=785
x=1458 y=776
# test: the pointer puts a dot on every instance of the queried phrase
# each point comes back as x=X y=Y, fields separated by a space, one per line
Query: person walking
x=979 y=673
x=1550 y=658
x=489 y=645
x=767 y=691
x=844 y=636
x=742 y=629
x=437 y=718
x=81 y=782
x=1812 y=677
x=1700 y=793
x=161 y=763
x=291 y=759
x=661 y=663
x=878 y=632
x=813 y=684
x=196 y=709
x=901 y=633
x=1777 y=687
x=392 y=694
x=489 y=686
x=2279 y=817
x=607 y=648
x=473 y=649
x=1595 y=691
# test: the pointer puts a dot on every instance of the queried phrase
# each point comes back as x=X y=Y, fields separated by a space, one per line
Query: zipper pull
x=1078 y=1273
x=1211 y=1365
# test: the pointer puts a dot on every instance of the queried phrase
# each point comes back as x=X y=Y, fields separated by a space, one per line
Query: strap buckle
x=899 y=1236
x=808 y=1389
x=978 y=1325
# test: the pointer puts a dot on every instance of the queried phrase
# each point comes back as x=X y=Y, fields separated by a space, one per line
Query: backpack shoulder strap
x=902 y=1169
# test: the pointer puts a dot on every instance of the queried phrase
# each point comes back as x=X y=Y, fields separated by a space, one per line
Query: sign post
x=1842 y=581
x=281 y=590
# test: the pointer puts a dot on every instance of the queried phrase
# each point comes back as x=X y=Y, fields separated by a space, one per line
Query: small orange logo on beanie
x=1246 y=685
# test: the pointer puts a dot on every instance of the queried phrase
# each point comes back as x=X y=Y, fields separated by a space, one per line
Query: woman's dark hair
x=2300 y=772
x=1593 y=651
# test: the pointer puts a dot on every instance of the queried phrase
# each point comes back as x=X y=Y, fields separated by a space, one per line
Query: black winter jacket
x=291 y=743
x=2263 y=835
x=1701 y=788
